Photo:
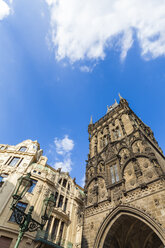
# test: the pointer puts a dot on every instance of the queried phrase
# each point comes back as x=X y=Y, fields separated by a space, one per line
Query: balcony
x=55 y=241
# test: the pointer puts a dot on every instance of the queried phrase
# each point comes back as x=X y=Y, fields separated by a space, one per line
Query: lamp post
x=25 y=221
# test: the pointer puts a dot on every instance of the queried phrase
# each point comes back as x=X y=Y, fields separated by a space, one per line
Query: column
x=58 y=232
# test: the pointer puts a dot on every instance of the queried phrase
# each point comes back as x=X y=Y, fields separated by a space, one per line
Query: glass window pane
x=112 y=175
x=68 y=186
x=61 y=233
x=60 y=203
x=116 y=173
x=14 y=161
x=55 y=198
x=2 y=148
x=65 y=205
x=55 y=228
x=33 y=186
x=64 y=183
x=23 y=149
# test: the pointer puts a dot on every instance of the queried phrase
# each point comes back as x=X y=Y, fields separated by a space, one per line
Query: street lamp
x=23 y=185
x=25 y=221
x=48 y=205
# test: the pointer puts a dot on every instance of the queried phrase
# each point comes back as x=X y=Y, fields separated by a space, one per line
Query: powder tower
x=125 y=172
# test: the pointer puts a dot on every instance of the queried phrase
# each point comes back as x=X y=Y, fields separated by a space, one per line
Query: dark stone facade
x=125 y=178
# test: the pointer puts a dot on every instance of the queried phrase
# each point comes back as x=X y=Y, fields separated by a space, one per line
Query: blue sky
x=61 y=62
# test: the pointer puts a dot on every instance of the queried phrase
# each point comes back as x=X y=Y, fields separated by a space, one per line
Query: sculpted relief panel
x=91 y=196
x=102 y=191
x=147 y=168
x=91 y=172
x=139 y=171
x=100 y=168
x=124 y=155
x=137 y=147
x=130 y=177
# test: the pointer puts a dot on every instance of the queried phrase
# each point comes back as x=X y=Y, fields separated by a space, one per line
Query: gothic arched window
x=114 y=173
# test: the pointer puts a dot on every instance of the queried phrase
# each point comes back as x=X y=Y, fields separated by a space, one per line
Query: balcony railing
x=54 y=241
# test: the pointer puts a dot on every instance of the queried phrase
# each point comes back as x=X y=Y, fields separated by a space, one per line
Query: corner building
x=125 y=172
x=64 y=228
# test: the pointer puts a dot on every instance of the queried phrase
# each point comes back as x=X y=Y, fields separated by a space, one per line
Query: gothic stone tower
x=125 y=201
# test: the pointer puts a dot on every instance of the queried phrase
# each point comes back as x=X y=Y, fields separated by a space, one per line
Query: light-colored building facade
x=65 y=224
x=125 y=183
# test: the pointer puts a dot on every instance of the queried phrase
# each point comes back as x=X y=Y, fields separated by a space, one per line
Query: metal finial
x=91 y=121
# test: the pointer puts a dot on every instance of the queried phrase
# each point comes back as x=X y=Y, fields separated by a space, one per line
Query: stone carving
x=46 y=191
x=110 y=152
x=90 y=172
x=38 y=189
x=156 y=202
x=117 y=195
x=124 y=155
x=100 y=168
x=146 y=165
x=137 y=169
x=92 y=225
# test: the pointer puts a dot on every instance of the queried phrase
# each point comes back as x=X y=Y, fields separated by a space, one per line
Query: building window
x=22 y=206
x=55 y=198
x=55 y=228
x=65 y=205
x=33 y=186
x=61 y=232
x=3 y=178
x=60 y=203
x=23 y=149
x=60 y=181
x=114 y=173
x=68 y=186
x=2 y=148
x=64 y=183
x=14 y=161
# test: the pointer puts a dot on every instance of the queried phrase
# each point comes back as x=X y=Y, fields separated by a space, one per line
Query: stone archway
x=127 y=227
x=130 y=232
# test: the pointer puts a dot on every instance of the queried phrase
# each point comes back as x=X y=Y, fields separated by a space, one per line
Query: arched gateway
x=125 y=183
x=127 y=227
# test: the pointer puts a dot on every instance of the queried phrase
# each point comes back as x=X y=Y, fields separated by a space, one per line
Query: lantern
x=48 y=205
x=23 y=185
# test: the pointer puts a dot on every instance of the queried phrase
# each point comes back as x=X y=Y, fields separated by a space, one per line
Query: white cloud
x=4 y=9
x=84 y=29
x=85 y=68
x=65 y=165
x=60 y=153
x=64 y=145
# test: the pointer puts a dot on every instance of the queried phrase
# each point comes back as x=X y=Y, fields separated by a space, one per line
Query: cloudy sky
x=63 y=61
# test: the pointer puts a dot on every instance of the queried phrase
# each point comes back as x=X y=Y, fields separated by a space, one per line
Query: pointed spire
x=120 y=96
x=91 y=121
